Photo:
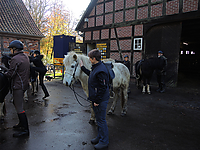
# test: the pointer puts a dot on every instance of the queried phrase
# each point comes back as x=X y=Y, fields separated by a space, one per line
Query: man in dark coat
x=98 y=95
x=161 y=73
x=39 y=67
x=18 y=72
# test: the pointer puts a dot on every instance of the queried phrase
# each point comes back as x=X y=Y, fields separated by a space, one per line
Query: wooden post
x=120 y=52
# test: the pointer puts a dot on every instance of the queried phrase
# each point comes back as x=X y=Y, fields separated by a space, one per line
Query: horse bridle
x=72 y=87
x=73 y=75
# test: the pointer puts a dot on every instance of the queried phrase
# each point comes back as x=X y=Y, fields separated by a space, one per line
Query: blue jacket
x=98 y=83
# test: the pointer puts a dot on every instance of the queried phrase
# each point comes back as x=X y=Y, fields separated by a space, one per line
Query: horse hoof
x=143 y=92
x=149 y=93
x=109 y=113
x=92 y=122
x=123 y=114
x=2 y=120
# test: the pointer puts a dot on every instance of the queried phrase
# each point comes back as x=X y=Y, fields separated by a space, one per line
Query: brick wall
x=190 y=5
x=130 y=15
x=88 y=35
x=119 y=4
x=124 y=31
x=108 y=19
x=96 y=35
x=28 y=45
x=125 y=44
x=156 y=10
x=172 y=7
x=138 y=30
x=99 y=9
x=92 y=12
x=99 y=21
x=109 y=7
x=119 y=17
x=142 y=2
x=130 y=3
x=142 y=13
x=91 y=22
x=116 y=56
x=113 y=45
x=137 y=56
x=105 y=34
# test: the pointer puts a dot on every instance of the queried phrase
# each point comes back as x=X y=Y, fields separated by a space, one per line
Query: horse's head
x=72 y=68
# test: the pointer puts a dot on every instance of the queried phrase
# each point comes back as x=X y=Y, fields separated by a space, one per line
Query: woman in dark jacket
x=98 y=95
x=39 y=67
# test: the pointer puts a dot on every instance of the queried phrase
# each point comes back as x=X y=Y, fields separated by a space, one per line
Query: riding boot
x=46 y=93
x=19 y=125
x=24 y=131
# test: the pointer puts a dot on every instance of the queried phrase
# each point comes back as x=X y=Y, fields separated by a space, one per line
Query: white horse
x=120 y=82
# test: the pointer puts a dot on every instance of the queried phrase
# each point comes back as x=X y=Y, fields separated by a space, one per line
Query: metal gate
x=165 y=37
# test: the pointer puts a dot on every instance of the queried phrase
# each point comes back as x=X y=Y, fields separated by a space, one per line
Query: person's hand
x=3 y=68
x=95 y=104
x=81 y=63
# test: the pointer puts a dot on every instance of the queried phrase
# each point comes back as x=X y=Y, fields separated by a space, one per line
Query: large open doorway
x=189 y=60
x=165 y=37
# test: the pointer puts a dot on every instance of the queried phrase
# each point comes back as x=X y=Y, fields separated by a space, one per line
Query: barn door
x=165 y=37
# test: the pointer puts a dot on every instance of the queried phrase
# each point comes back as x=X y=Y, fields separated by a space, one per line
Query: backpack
x=109 y=67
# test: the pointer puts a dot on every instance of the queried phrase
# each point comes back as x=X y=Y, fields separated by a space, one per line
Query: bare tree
x=38 y=10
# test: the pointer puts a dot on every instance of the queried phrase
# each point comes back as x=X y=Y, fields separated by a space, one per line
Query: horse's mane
x=82 y=57
x=108 y=60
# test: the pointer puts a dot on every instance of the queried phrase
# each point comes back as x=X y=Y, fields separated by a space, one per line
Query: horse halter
x=73 y=75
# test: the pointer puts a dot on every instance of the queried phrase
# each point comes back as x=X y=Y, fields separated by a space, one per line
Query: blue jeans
x=100 y=115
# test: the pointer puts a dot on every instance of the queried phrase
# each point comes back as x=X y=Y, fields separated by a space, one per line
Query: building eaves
x=87 y=12
x=15 y=19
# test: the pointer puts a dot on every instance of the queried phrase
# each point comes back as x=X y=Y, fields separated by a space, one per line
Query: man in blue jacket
x=98 y=95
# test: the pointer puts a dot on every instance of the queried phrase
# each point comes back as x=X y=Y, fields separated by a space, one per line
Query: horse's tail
x=4 y=109
x=137 y=70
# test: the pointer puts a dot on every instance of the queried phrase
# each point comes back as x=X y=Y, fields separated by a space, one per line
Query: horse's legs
x=148 y=85
x=144 y=86
x=124 y=99
x=148 y=89
x=34 y=88
x=1 y=111
x=112 y=108
x=26 y=96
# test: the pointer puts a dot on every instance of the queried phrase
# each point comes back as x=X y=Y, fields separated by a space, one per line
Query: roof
x=85 y=15
x=15 y=19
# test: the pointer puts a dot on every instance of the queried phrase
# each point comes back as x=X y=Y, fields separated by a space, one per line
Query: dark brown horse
x=4 y=87
x=144 y=70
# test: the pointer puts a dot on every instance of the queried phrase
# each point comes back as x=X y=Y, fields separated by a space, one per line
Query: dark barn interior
x=189 y=58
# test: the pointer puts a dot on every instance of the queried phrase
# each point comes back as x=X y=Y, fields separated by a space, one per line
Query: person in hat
x=18 y=72
x=127 y=62
x=161 y=73
x=39 y=67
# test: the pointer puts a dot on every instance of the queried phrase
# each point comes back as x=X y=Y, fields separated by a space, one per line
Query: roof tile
x=15 y=18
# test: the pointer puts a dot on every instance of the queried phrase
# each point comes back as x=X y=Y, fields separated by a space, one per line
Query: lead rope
x=75 y=94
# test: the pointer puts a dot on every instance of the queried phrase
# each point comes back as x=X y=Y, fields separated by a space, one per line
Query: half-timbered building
x=140 y=28
x=17 y=24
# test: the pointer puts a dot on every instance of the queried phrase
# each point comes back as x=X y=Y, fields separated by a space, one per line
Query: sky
x=76 y=6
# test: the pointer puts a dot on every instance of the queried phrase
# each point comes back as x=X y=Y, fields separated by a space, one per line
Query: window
x=137 y=44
